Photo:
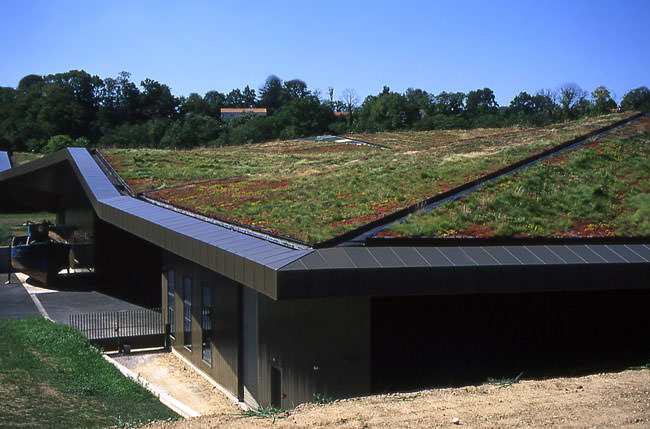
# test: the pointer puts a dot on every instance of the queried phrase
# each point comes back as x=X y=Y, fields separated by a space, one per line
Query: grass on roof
x=600 y=189
x=314 y=191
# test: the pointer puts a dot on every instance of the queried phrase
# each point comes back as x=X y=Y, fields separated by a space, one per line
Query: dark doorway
x=276 y=387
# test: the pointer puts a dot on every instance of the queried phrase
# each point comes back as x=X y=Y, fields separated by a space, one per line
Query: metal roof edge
x=339 y=258
x=5 y=161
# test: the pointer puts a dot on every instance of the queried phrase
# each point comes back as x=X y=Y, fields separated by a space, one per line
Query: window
x=206 y=324
x=170 y=300
x=187 y=312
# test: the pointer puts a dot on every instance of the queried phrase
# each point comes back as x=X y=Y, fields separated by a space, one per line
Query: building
x=276 y=322
x=235 y=112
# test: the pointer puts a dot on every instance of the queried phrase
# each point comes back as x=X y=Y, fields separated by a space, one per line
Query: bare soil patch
x=600 y=400
x=172 y=375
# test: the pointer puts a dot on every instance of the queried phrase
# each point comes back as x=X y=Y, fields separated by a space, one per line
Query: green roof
x=313 y=190
x=599 y=189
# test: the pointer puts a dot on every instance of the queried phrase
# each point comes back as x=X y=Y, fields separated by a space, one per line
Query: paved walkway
x=19 y=300
x=15 y=302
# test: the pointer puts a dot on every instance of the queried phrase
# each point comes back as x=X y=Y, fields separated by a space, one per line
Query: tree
x=480 y=102
x=214 y=101
x=194 y=103
x=234 y=99
x=387 y=111
x=603 y=100
x=157 y=100
x=295 y=88
x=523 y=103
x=450 y=103
x=350 y=100
x=271 y=93
x=637 y=99
x=56 y=143
x=570 y=97
x=249 y=97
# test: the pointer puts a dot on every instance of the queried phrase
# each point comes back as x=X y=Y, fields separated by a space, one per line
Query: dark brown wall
x=320 y=346
x=451 y=340
x=225 y=320
x=126 y=266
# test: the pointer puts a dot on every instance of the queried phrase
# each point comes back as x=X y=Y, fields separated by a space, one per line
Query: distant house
x=341 y=113
x=235 y=112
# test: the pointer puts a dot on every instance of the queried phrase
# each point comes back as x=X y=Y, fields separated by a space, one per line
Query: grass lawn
x=11 y=224
x=314 y=191
x=50 y=376
x=25 y=157
x=599 y=189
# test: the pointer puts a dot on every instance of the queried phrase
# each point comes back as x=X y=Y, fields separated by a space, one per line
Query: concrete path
x=15 y=302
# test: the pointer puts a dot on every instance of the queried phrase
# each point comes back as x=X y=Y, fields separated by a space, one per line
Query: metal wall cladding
x=319 y=346
x=225 y=296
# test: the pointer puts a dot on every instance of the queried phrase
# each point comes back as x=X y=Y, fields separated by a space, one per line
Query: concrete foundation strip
x=164 y=397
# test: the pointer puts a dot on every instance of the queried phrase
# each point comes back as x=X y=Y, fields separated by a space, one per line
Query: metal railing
x=119 y=324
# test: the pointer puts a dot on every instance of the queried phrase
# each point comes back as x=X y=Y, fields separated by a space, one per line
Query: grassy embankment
x=314 y=191
x=50 y=376
x=599 y=189
x=11 y=224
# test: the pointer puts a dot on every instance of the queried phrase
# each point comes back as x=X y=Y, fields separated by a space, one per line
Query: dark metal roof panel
x=434 y=257
x=480 y=256
x=5 y=163
x=641 y=250
x=457 y=256
x=410 y=257
x=337 y=258
x=311 y=261
x=361 y=257
x=566 y=254
x=547 y=256
x=524 y=254
x=608 y=255
x=586 y=253
x=280 y=262
x=502 y=255
x=387 y=257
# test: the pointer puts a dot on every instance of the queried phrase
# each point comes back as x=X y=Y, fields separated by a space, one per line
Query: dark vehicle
x=38 y=254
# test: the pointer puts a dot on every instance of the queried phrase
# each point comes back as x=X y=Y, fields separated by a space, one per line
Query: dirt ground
x=600 y=400
x=173 y=376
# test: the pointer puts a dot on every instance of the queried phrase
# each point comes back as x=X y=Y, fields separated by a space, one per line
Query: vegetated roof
x=599 y=189
x=313 y=191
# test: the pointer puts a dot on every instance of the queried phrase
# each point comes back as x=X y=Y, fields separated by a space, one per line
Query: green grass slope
x=600 y=189
x=50 y=376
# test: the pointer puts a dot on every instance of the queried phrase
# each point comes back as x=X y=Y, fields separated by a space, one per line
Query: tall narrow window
x=187 y=312
x=171 y=288
x=206 y=324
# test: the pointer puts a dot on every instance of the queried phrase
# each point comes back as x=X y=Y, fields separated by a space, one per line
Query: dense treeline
x=45 y=113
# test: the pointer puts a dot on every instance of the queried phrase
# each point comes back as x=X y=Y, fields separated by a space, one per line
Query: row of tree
x=45 y=113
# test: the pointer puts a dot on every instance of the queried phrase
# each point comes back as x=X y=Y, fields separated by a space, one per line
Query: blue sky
x=197 y=46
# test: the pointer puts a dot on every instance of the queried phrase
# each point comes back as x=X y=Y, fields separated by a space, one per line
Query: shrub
x=56 y=143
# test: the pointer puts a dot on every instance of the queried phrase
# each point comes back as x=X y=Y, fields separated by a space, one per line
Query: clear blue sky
x=197 y=46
